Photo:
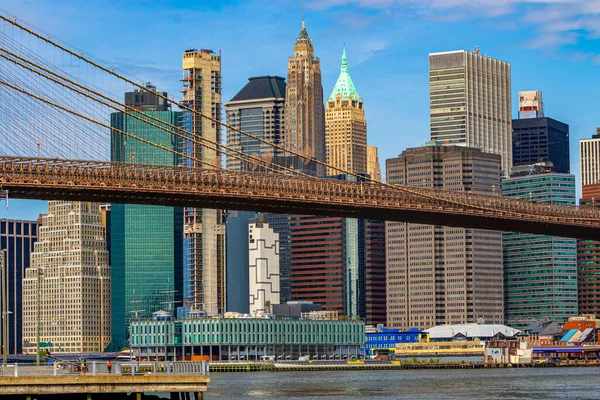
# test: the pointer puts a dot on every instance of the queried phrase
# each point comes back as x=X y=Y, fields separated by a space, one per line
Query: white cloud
x=554 y=22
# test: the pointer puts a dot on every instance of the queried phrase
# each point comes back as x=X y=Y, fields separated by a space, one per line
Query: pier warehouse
x=246 y=338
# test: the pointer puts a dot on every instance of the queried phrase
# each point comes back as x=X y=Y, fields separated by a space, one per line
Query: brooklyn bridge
x=55 y=107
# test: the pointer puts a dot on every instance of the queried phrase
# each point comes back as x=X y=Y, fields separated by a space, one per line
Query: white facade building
x=264 y=265
x=589 y=156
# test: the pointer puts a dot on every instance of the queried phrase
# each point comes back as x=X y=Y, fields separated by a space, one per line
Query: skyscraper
x=204 y=229
x=264 y=265
x=146 y=241
x=588 y=251
x=470 y=102
x=304 y=111
x=17 y=238
x=259 y=109
x=325 y=261
x=373 y=168
x=436 y=274
x=340 y=264
x=67 y=288
x=537 y=139
x=531 y=104
x=540 y=272
x=589 y=153
x=541 y=140
x=374 y=274
x=345 y=126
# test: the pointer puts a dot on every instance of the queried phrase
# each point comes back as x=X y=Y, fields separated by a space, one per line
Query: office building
x=588 y=251
x=258 y=109
x=443 y=275
x=589 y=157
x=531 y=104
x=17 y=238
x=541 y=140
x=204 y=230
x=237 y=260
x=263 y=266
x=146 y=241
x=304 y=111
x=323 y=269
x=147 y=100
x=340 y=264
x=66 y=291
x=345 y=126
x=280 y=223
x=470 y=102
x=373 y=168
x=540 y=272
x=375 y=306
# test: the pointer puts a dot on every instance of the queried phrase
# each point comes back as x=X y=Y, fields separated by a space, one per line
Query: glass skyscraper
x=17 y=238
x=146 y=241
x=541 y=140
x=540 y=272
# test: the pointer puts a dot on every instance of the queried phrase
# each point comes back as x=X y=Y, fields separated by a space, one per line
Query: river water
x=533 y=383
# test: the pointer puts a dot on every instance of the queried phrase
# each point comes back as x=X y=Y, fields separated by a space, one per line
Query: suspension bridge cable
x=135 y=114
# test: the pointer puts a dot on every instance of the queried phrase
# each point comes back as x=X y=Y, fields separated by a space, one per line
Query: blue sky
x=552 y=45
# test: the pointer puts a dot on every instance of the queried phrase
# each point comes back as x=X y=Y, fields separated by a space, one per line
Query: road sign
x=45 y=344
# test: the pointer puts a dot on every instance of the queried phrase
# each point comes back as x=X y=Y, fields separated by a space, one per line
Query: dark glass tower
x=146 y=241
x=17 y=238
x=538 y=140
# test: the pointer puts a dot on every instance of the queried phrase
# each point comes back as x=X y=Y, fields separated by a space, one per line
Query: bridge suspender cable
x=142 y=116
x=46 y=101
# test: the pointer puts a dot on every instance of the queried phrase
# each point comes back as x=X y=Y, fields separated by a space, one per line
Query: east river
x=532 y=383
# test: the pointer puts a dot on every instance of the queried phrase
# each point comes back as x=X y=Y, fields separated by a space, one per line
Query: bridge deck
x=54 y=179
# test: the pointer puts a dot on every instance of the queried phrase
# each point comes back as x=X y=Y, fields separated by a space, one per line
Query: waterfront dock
x=182 y=380
x=373 y=366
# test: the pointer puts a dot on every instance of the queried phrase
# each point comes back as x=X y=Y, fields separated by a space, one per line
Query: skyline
x=387 y=42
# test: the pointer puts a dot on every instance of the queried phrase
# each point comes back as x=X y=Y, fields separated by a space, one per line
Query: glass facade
x=223 y=331
x=146 y=241
x=236 y=235
x=541 y=140
x=540 y=272
x=17 y=238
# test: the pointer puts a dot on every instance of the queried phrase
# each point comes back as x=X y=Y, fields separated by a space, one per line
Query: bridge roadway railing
x=153 y=178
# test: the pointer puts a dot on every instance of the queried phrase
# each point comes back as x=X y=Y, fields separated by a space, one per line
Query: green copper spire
x=344 y=84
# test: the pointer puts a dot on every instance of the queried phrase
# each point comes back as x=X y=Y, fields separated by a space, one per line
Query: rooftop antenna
x=169 y=294
x=303 y=27
x=135 y=310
